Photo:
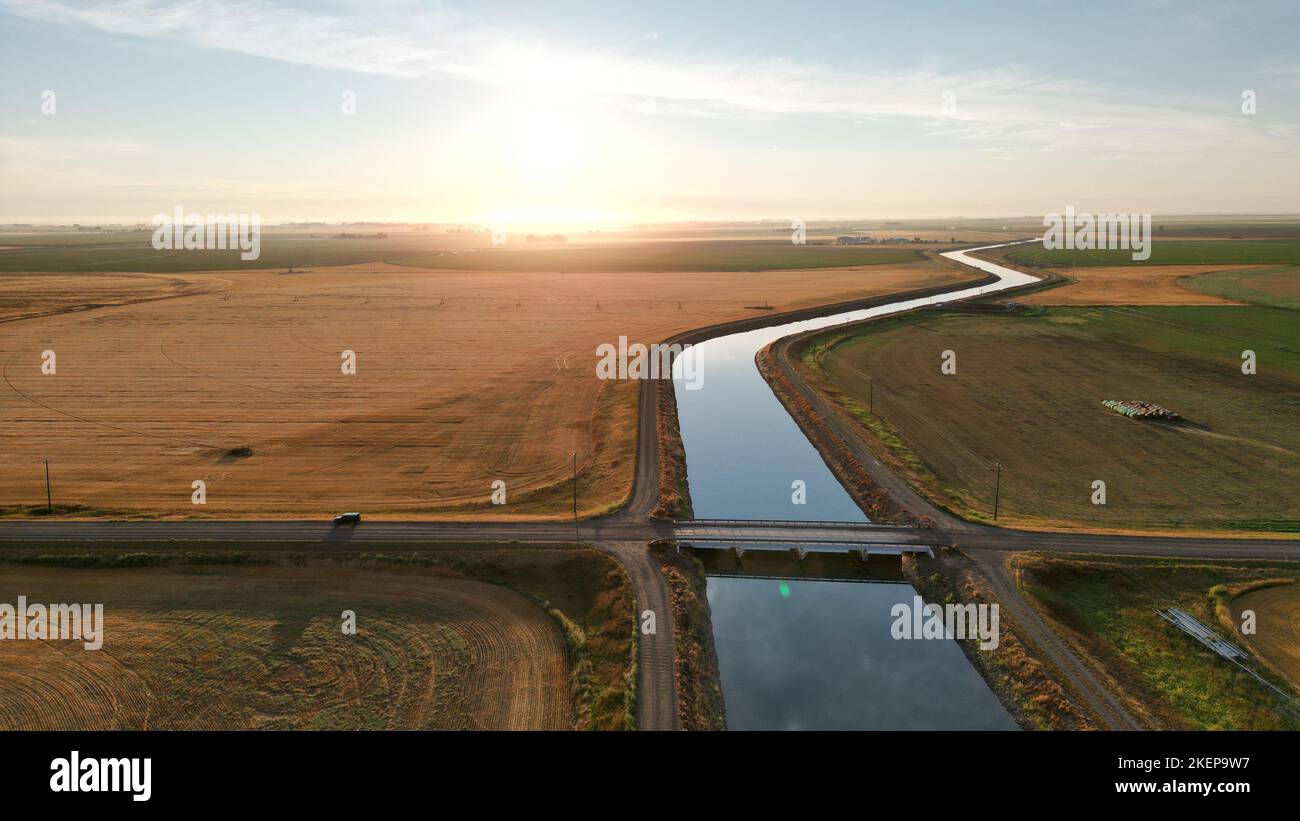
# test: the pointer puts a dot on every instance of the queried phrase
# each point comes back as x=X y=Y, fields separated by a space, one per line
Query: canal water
x=804 y=654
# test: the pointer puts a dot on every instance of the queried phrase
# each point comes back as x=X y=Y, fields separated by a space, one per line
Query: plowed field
x=262 y=648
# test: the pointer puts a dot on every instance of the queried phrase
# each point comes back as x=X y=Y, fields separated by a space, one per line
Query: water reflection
x=818 y=655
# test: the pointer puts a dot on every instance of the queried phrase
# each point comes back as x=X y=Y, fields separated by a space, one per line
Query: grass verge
x=1105 y=607
x=700 y=703
x=674 y=488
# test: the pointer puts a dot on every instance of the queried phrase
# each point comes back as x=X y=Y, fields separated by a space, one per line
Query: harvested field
x=1028 y=393
x=1132 y=285
x=34 y=295
x=462 y=378
x=261 y=647
x=1277 y=637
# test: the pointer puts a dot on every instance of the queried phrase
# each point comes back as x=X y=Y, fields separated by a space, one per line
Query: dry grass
x=1277 y=637
x=1131 y=285
x=462 y=378
x=260 y=647
x=1028 y=393
x=700 y=705
x=33 y=295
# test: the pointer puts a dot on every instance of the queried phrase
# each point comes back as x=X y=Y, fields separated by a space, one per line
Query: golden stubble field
x=34 y=295
x=1277 y=636
x=207 y=647
x=462 y=378
x=1133 y=285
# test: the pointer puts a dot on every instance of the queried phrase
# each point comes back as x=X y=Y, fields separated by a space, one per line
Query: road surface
x=625 y=534
x=988 y=545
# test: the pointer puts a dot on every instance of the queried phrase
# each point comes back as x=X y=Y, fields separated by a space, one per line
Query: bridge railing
x=790 y=523
x=853 y=544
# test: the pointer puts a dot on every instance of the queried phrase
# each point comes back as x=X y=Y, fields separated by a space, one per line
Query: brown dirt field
x=261 y=647
x=1277 y=636
x=1131 y=285
x=462 y=378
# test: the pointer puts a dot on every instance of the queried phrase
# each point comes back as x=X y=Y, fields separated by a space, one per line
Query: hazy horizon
x=778 y=224
x=579 y=114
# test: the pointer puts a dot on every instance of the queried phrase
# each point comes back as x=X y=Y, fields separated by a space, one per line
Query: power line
x=997 y=487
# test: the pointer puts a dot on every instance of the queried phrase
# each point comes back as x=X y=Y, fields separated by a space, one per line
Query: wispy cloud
x=1007 y=105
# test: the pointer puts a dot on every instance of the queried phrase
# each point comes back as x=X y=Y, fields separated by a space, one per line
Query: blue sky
x=634 y=111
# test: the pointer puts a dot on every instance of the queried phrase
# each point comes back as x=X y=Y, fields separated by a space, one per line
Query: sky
x=624 y=112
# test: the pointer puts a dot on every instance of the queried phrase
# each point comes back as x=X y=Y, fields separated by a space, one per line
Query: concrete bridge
x=804 y=536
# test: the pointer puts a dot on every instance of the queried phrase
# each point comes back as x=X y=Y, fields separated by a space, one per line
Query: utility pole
x=871 y=396
x=49 y=501
x=575 y=497
x=997 y=487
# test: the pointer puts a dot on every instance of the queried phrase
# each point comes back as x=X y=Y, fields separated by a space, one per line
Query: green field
x=1273 y=287
x=87 y=238
x=679 y=256
x=1180 y=252
x=1281 y=228
x=1028 y=393
x=132 y=251
x=1107 y=607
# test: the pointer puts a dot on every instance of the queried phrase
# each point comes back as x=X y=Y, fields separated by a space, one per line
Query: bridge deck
x=797 y=523
x=820 y=536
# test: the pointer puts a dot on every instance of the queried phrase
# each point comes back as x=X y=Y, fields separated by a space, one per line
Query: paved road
x=300 y=534
x=615 y=533
x=987 y=538
x=625 y=534
x=989 y=544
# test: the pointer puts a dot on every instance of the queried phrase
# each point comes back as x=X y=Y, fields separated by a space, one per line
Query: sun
x=546 y=145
